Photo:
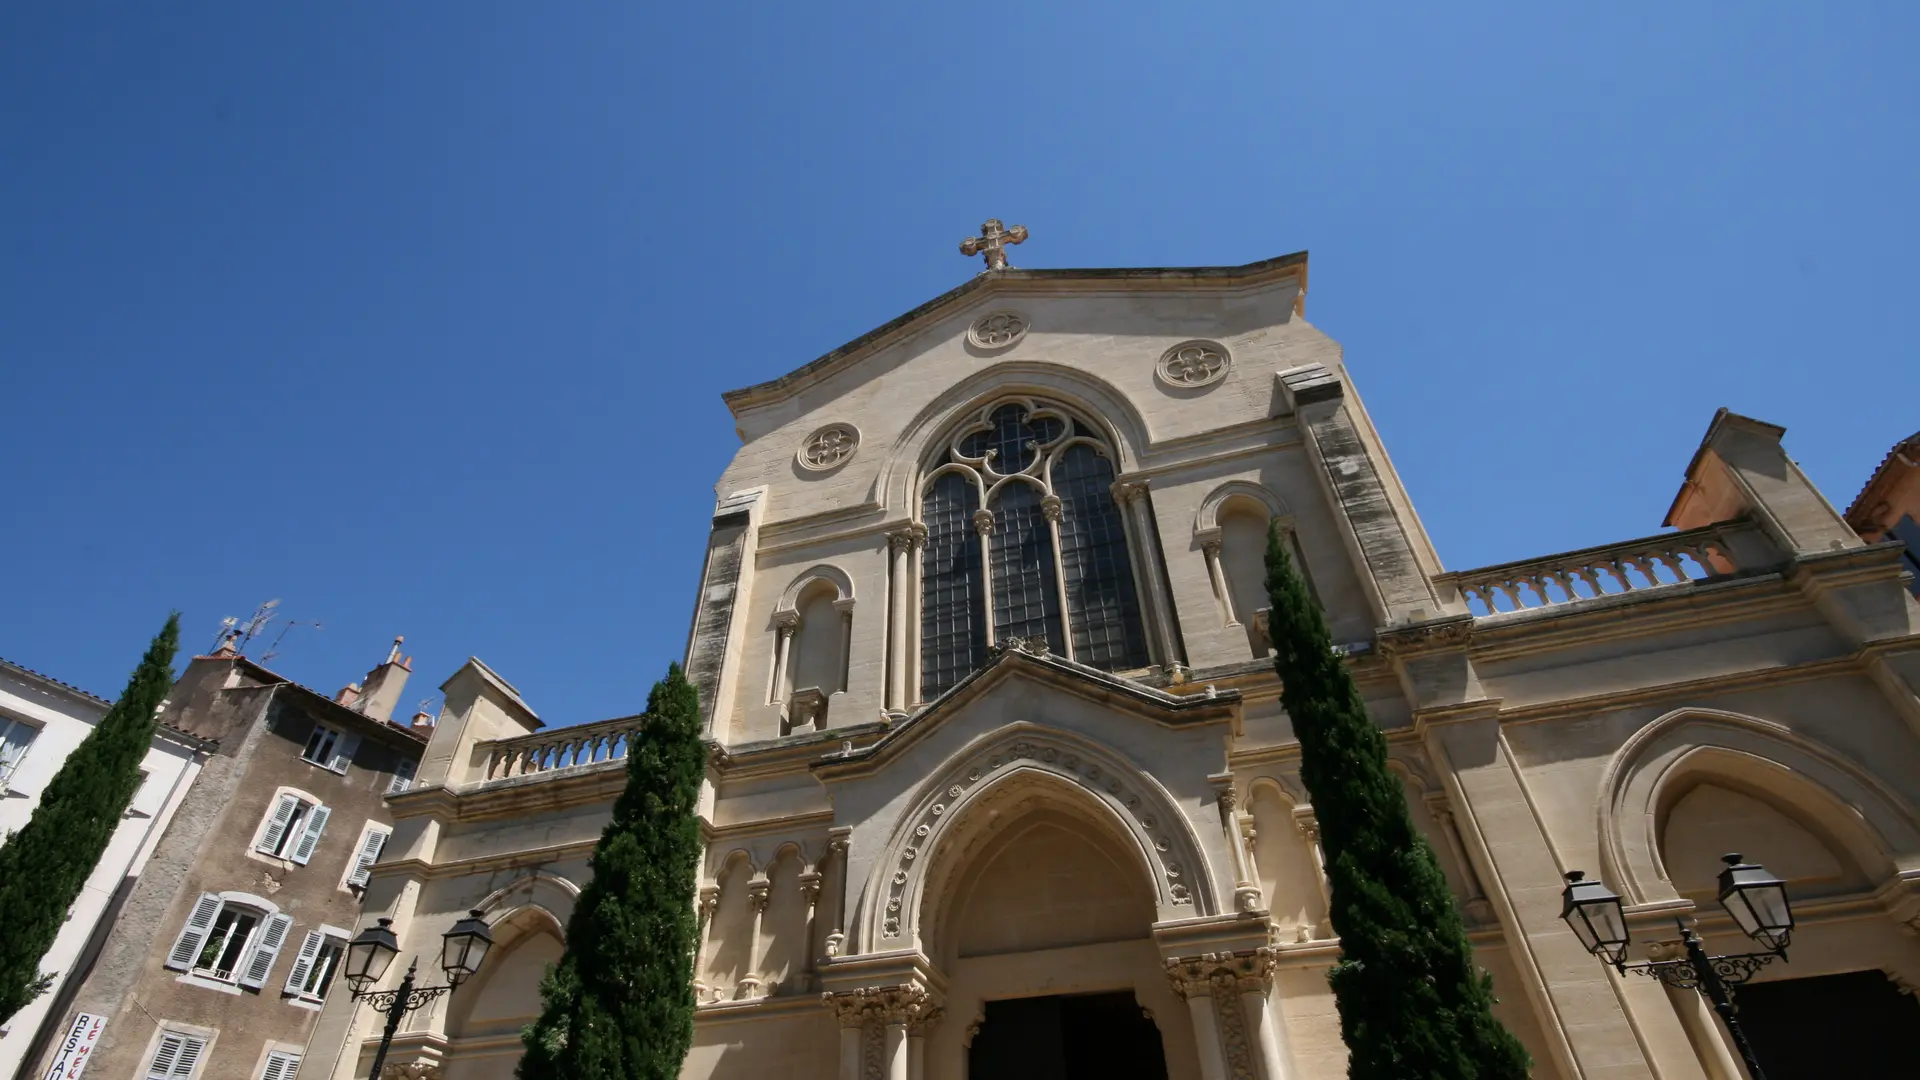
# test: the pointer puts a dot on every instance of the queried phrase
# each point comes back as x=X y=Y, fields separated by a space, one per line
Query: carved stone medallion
x=829 y=448
x=1193 y=363
x=997 y=329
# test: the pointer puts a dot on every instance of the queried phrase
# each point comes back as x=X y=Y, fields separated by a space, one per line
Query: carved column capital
x=810 y=886
x=983 y=521
x=1050 y=507
x=1228 y=799
x=1222 y=974
x=709 y=901
x=1126 y=491
x=786 y=622
x=1211 y=548
x=1308 y=824
x=908 y=1004
x=758 y=890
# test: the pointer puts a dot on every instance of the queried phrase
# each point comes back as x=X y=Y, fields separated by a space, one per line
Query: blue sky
x=417 y=316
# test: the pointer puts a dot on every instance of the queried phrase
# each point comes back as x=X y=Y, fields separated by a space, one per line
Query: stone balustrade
x=1611 y=569
x=564 y=748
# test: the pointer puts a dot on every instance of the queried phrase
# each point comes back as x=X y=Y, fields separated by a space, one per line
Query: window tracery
x=1024 y=540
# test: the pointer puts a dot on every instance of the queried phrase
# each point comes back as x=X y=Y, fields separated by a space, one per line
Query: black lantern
x=369 y=954
x=1757 y=901
x=1594 y=913
x=464 y=947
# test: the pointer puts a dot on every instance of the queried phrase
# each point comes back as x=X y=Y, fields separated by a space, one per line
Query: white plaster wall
x=64 y=720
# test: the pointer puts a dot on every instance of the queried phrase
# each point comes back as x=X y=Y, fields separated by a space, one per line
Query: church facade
x=1002 y=771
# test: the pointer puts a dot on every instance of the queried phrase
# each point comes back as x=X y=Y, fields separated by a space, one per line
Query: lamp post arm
x=1709 y=981
x=395 y=1009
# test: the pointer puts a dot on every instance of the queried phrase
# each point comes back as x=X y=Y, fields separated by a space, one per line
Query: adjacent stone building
x=42 y=721
x=1002 y=771
x=226 y=949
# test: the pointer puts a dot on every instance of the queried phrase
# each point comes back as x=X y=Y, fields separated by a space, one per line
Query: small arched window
x=1024 y=540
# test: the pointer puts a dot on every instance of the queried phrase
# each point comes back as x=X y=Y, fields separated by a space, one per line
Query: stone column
x=900 y=545
x=1144 y=547
x=837 y=840
x=920 y=1023
x=1050 y=509
x=709 y=903
x=1309 y=827
x=1192 y=983
x=785 y=623
x=916 y=567
x=1253 y=980
x=810 y=892
x=758 y=890
x=852 y=1010
x=983 y=526
x=1218 y=575
x=1246 y=891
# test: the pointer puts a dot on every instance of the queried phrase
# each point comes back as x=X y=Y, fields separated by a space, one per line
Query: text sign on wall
x=76 y=1046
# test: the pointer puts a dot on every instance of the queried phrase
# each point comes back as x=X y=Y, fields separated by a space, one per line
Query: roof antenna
x=255 y=623
x=226 y=631
x=274 y=649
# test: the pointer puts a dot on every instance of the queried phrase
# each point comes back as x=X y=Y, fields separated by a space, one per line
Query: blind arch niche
x=1025 y=540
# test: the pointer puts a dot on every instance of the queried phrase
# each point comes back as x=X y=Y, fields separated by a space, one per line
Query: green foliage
x=44 y=866
x=1411 y=1002
x=619 y=1004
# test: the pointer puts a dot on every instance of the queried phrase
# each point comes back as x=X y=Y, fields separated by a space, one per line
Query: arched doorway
x=1043 y=928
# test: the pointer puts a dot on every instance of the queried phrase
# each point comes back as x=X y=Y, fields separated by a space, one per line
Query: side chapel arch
x=505 y=994
x=1012 y=770
x=1854 y=812
x=1230 y=529
x=813 y=635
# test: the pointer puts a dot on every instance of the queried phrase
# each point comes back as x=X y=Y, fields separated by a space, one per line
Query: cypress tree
x=619 y=1004
x=44 y=865
x=1411 y=1002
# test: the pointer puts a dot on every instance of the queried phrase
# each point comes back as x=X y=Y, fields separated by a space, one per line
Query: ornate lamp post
x=1758 y=903
x=462 y=950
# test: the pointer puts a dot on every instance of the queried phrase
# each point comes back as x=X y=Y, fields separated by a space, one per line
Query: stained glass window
x=1019 y=586
x=953 y=638
x=1101 y=605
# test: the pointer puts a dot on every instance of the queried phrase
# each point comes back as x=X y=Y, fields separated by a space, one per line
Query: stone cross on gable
x=992 y=242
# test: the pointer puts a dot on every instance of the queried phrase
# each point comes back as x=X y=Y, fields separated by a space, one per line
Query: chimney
x=381 y=691
x=348 y=694
x=423 y=721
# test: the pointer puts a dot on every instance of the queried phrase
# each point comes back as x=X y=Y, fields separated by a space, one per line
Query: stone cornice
x=1029 y=282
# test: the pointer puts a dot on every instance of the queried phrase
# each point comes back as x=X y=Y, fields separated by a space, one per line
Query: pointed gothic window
x=1052 y=565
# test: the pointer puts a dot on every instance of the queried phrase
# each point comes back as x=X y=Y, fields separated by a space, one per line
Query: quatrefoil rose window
x=997 y=329
x=1193 y=363
x=829 y=448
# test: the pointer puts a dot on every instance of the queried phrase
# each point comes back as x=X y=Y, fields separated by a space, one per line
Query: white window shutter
x=253 y=972
x=194 y=934
x=343 y=752
x=370 y=848
x=277 y=824
x=164 y=1059
x=280 y=1066
x=402 y=778
x=190 y=1051
x=316 y=824
x=303 y=961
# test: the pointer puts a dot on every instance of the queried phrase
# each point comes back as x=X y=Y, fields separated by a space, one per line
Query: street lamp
x=1755 y=899
x=462 y=949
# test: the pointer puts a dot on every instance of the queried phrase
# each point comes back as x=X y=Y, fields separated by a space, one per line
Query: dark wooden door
x=1079 y=1037
x=1830 y=1026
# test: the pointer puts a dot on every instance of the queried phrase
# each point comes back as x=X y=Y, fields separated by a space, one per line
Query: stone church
x=1003 y=784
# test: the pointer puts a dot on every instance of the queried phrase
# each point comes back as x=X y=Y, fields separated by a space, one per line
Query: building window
x=319 y=958
x=292 y=829
x=15 y=737
x=372 y=841
x=330 y=748
x=1054 y=564
x=230 y=940
x=281 y=1065
x=177 y=1057
x=402 y=778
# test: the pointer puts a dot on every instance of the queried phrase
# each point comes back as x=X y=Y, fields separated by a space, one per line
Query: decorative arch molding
x=548 y=892
x=511 y=926
x=1871 y=822
x=1094 y=399
x=1206 y=523
x=945 y=824
x=827 y=572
